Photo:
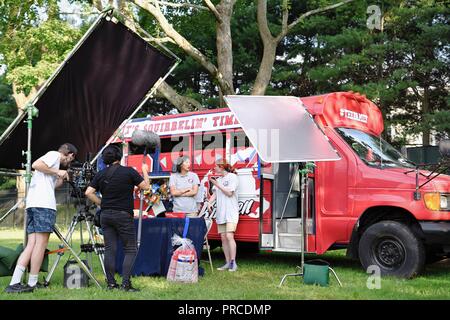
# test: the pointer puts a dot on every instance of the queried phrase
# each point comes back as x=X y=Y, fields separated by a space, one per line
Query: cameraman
x=116 y=184
x=41 y=214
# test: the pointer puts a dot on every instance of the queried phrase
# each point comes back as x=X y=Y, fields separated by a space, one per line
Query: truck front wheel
x=394 y=248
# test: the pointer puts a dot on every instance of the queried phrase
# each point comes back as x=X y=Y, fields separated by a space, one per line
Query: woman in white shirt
x=227 y=210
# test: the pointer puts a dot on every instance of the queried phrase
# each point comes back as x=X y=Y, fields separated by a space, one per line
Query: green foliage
x=7 y=183
x=8 y=109
x=440 y=121
x=189 y=78
x=412 y=51
x=36 y=52
x=329 y=51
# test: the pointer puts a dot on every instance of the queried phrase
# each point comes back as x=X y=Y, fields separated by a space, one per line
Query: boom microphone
x=147 y=139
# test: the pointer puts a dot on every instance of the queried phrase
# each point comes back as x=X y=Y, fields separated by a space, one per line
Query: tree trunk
x=184 y=44
x=123 y=7
x=98 y=4
x=224 y=42
x=265 y=69
x=425 y=110
x=183 y=104
x=271 y=42
x=21 y=99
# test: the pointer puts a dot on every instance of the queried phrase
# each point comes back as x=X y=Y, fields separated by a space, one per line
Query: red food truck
x=371 y=201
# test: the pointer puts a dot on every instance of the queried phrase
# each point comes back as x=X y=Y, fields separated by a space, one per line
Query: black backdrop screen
x=96 y=90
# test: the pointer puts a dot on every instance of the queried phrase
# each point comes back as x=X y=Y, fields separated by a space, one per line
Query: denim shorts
x=40 y=220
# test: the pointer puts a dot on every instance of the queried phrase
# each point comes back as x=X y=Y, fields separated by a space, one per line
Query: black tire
x=394 y=248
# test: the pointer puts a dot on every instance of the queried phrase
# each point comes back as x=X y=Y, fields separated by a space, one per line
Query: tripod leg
x=94 y=245
x=289 y=275
x=58 y=258
x=334 y=273
x=11 y=210
x=100 y=251
x=82 y=265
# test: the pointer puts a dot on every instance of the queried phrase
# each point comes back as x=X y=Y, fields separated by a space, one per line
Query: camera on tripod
x=80 y=176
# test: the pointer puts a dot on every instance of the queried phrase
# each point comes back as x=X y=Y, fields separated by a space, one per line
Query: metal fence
x=65 y=208
x=424 y=154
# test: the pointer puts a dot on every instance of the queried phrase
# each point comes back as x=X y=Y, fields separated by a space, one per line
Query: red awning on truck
x=346 y=109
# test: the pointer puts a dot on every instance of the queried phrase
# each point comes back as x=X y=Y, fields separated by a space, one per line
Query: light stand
x=141 y=205
x=303 y=212
x=32 y=112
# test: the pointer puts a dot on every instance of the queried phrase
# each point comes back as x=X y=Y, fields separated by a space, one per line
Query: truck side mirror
x=444 y=148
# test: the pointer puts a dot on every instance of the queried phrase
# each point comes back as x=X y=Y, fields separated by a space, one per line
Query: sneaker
x=233 y=266
x=112 y=286
x=128 y=287
x=18 y=288
x=224 y=267
x=38 y=286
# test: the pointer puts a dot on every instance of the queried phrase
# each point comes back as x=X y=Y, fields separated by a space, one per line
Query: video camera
x=80 y=176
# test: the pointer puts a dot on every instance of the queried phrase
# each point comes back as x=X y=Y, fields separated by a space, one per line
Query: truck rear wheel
x=394 y=248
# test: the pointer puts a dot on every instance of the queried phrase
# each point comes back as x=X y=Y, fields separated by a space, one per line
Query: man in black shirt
x=116 y=184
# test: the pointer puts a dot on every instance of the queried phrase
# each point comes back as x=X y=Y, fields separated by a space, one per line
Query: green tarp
x=8 y=260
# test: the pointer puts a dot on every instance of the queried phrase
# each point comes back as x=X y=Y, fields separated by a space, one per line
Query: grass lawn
x=257 y=278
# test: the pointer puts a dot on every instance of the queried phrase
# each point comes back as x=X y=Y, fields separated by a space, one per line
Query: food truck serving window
x=210 y=141
x=174 y=143
x=134 y=149
x=373 y=150
x=239 y=139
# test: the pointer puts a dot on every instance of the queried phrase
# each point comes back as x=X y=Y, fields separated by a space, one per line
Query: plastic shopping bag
x=183 y=264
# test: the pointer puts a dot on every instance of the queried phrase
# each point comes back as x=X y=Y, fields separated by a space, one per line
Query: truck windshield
x=373 y=150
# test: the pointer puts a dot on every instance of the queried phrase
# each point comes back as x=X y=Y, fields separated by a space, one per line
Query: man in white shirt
x=41 y=214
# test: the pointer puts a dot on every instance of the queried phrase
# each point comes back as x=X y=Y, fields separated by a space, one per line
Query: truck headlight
x=436 y=201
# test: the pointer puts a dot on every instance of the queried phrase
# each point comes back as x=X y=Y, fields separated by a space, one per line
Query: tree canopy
x=275 y=47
